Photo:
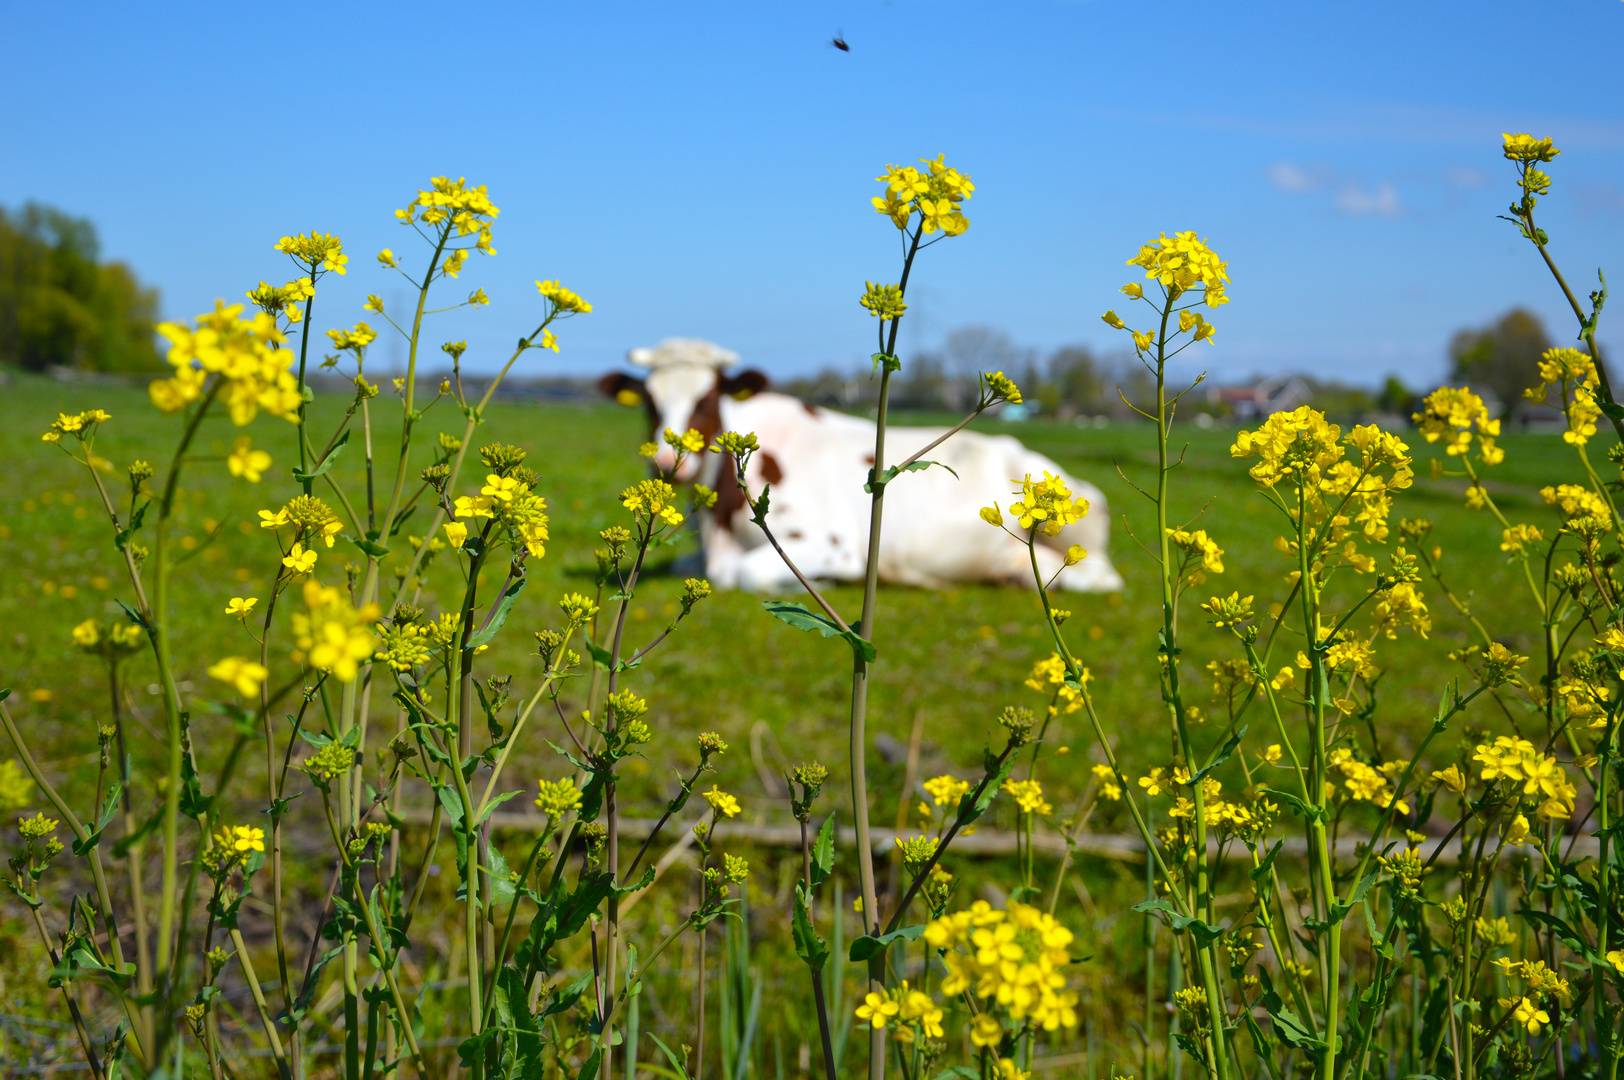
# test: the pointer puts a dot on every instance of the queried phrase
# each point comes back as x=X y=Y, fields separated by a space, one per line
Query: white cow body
x=815 y=463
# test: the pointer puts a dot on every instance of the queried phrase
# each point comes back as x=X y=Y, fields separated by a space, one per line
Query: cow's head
x=683 y=389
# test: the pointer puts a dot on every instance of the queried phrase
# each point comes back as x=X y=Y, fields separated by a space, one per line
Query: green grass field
x=954 y=658
x=948 y=661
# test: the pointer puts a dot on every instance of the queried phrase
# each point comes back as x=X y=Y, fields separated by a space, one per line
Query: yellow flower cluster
x=1519 y=536
x=562 y=299
x=883 y=301
x=80 y=425
x=468 y=210
x=1197 y=543
x=353 y=340
x=936 y=193
x=947 y=790
x=518 y=512
x=403 y=645
x=1585 y=511
x=557 y=798
x=1003 y=386
x=1049 y=674
x=910 y=1013
x=1572 y=374
x=1046 y=503
x=283 y=299
x=650 y=499
x=1451 y=414
x=1541 y=777
x=1182 y=261
x=240 y=352
x=1299 y=446
x=1526 y=148
x=334 y=635
x=1028 y=795
x=315 y=251
x=1365 y=782
x=1012 y=961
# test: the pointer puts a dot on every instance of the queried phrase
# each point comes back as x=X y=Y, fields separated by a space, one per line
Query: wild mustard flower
x=1047 y=504
x=241 y=606
x=334 y=635
x=562 y=300
x=725 y=805
x=245 y=461
x=937 y=192
x=240 y=352
x=315 y=251
x=1453 y=416
x=298 y=560
x=245 y=676
x=946 y=791
x=558 y=797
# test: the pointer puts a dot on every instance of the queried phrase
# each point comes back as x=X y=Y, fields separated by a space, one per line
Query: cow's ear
x=623 y=388
x=744 y=384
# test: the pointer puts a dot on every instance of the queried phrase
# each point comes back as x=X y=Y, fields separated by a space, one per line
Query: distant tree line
x=61 y=306
x=1498 y=361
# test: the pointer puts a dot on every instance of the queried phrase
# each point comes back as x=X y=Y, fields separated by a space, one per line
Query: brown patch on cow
x=834 y=539
x=796 y=534
x=811 y=409
x=770 y=470
x=746 y=383
x=707 y=415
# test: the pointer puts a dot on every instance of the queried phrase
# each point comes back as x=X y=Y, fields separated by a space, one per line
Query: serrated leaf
x=896 y=470
x=823 y=852
x=1204 y=933
x=809 y=944
x=326 y=463
x=499 y=616
x=122 y=540
x=793 y=614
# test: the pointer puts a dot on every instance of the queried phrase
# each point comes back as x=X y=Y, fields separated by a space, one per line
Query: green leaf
x=1220 y=757
x=326 y=463
x=677 y=1065
x=891 y=474
x=787 y=611
x=823 y=852
x=891 y=363
x=134 y=616
x=1204 y=933
x=109 y=806
x=972 y=808
x=809 y=944
x=1261 y=870
x=122 y=846
x=122 y=540
x=368 y=547
x=868 y=946
x=490 y=807
x=957 y=1072
x=499 y=616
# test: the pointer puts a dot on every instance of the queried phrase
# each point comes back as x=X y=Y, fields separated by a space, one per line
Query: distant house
x=1280 y=393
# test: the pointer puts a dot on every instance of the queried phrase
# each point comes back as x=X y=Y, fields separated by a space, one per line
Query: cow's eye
x=628 y=396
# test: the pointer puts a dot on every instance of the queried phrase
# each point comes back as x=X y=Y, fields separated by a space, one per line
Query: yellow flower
x=241 y=606
x=1047 y=504
x=374 y=303
x=243 y=674
x=334 y=636
x=1616 y=958
x=562 y=299
x=992 y=515
x=1450 y=415
x=725 y=805
x=239 y=353
x=246 y=462
x=876 y=1009
x=1113 y=320
x=299 y=560
x=456 y=533
x=240 y=839
x=1271 y=755
x=87 y=634
x=986 y=1031
x=316 y=249
x=1530 y=1016
x=386 y=258
x=1003 y=386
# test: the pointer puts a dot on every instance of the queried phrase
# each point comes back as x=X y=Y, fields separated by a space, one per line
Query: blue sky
x=704 y=170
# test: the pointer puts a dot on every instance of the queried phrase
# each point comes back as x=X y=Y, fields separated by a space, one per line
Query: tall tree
x=1502 y=357
x=61 y=306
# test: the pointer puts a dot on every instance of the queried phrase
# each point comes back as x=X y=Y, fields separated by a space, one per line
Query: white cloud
x=1353 y=199
x=1288 y=176
x=1466 y=177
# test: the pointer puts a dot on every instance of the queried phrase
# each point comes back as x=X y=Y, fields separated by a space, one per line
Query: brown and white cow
x=817 y=462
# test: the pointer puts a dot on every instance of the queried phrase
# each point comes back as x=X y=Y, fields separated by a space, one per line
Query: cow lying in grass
x=817 y=462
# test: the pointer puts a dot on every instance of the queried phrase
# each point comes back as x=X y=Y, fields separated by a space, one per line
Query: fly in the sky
x=839 y=41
